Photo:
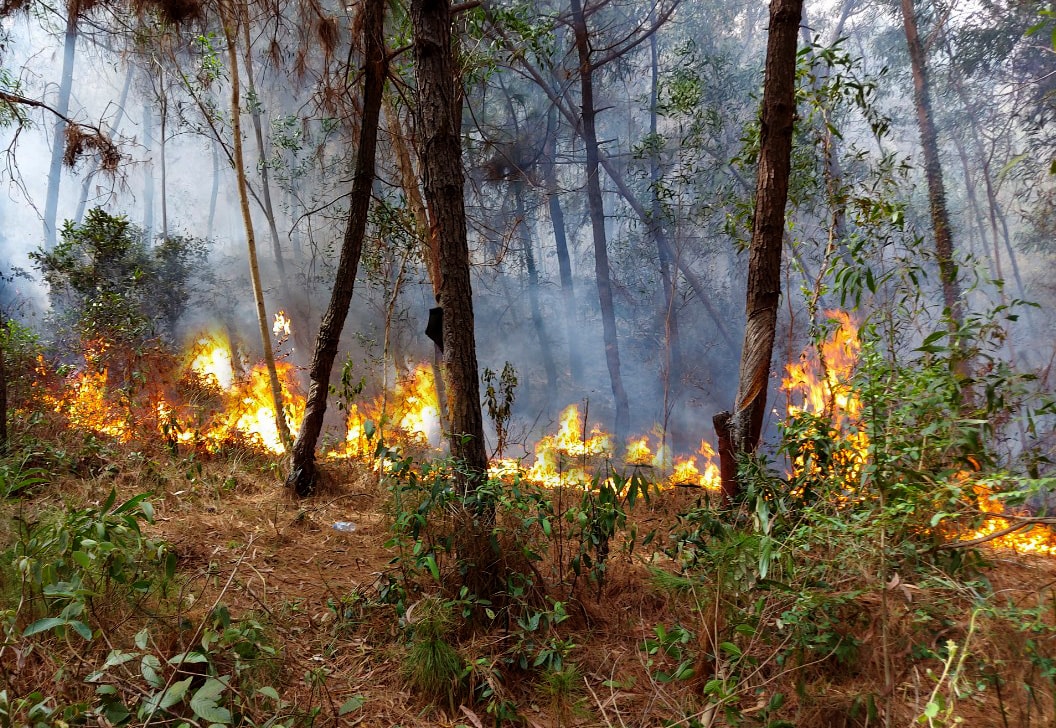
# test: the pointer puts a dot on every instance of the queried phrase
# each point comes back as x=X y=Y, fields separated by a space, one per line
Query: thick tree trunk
x=302 y=475
x=596 y=206
x=440 y=152
x=247 y=219
x=951 y=292
x=58 y=137
x=743 y=429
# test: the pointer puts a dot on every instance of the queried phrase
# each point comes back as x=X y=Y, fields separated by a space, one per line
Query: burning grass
x=836 y=610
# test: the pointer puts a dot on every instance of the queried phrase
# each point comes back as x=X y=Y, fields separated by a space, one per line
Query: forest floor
x=281 y=575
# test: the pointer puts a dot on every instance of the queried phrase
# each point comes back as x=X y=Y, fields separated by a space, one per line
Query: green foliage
x=110 y=290
x=89 y=553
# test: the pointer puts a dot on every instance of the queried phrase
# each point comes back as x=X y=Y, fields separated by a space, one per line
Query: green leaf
x=42 y=625
x=730 y=649
x=81 y=628
x=354 y=703
x=205 y=702
x=150 y=668
x=141 y=638
x=269 y=692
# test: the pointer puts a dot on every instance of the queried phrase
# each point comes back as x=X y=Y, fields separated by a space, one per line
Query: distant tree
x=739 y=432
x=940 y=219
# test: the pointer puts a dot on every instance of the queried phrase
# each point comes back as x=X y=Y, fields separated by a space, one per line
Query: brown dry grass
x=243 y=541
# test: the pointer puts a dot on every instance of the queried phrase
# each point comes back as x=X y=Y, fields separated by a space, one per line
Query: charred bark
x=303 y=474
x=596 y=206
x=744 y=427
x=440 y=152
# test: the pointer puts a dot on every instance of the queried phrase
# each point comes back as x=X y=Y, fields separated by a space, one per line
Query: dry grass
x=243 y=541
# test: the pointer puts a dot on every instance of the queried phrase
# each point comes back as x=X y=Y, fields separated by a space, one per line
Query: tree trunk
x=525 y=237
x=164 y=116
x=672 y=352
x=230 y=33
x=440 y=151
x=951 y=293
x=86 y=185
x=409 y=181
x=214 y=193
x=302 y=475
x=58 y=140
x=564 y=262
x=148 y=171
x=262 y=163
x=596 y=205
x=743 y=429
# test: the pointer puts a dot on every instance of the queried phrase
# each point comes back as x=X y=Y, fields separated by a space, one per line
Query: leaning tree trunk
x=596 y=207
x=440 y=151
x=409 y=182
x=739 y=433
x=58 y=141
x=302 y=475
x=247 y=219
x=940 y=221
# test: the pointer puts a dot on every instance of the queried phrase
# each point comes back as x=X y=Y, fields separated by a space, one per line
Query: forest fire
x=819 y=385
x=235 y=402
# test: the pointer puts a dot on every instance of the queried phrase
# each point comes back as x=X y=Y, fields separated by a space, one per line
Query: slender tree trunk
x=564 y=262
x=525 y=236
x=302 y=471
x=148 y=171
x=214 y=193
x=440 y=152
x=262 y=163
x=740 y=432
x=164 y=115
x=672 y=353
x=230 y=33
x=3 y=387
x=951 y=292
x=409 y=181
x=58 y=137
x=86 y=185
x=596 y=205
